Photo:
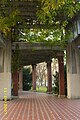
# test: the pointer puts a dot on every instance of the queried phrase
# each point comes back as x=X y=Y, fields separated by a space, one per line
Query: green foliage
x=8 y=16
x=49 y=36
x=57 y=13
x=53 y=13
x=6 y=23
x=41 y=89
x=27 y=79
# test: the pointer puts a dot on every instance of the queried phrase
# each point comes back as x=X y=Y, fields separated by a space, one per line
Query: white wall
x=73 y=73
x=5 y=75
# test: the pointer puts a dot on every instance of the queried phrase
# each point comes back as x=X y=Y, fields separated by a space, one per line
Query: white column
x=73 y=72
x=5 y=71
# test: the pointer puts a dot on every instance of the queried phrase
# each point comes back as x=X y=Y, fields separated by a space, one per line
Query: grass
x=41 y=89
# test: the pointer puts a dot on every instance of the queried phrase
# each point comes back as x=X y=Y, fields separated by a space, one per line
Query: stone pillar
x=15 y=83
x=49 y=76
x=61 y=76
x=73 y=71
x=20 y=80
x=5 y=70
x=34 y=77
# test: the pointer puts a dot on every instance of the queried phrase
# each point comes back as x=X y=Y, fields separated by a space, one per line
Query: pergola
x=30 y=53
x=34 y=53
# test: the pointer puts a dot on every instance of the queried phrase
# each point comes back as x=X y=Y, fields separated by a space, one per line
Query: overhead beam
x=34 y=46
x=34 y=53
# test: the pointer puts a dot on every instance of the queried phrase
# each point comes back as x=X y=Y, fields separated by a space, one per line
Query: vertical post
x=15 y=83
x=49 y=76
x=20 y=80
x=61 y=76
x=34 y=77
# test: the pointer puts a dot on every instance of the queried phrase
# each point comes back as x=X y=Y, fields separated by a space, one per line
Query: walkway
x=37 y=106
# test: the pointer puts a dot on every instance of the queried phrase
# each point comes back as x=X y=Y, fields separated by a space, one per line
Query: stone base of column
x=61 y=96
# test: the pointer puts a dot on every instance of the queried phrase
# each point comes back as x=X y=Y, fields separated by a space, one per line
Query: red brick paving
x=36 y=106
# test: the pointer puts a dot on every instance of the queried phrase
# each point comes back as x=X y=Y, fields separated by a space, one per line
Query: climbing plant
x=8 y=16
x=58 y=13
x=49 y=36
x=55 y=15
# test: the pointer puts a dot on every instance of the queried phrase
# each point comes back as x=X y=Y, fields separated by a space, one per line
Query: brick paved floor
x=34 y=106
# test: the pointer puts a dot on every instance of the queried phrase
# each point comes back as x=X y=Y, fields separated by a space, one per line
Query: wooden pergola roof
x=28 y=10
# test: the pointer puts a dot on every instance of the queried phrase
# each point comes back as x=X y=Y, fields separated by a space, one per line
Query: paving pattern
x=37 y=106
